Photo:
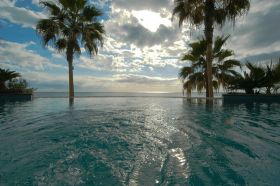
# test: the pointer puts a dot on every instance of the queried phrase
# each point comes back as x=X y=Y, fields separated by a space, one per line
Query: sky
x=142 y=48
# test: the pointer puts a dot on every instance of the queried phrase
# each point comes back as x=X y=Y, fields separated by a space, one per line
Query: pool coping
x=251 y=97
x=16 y=96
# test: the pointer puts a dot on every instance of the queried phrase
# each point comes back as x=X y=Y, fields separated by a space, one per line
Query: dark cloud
x=274 y=56
x=135 y=33
x=140 y=36
x=263 y=29
x=266 y=31
x=254 y=34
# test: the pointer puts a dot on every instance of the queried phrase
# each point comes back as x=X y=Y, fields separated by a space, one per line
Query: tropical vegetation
x=6 y=75
x=11 y=82
x=209 y=13
x=194 y=76
x=70 y=26
x=257 y=79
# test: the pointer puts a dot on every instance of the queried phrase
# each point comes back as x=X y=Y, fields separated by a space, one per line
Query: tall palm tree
x=6 y=75
x=72 y=24
x=223 y=69
x=209 y=13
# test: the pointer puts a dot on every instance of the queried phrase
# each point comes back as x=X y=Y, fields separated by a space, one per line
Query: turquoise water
x=138 y=141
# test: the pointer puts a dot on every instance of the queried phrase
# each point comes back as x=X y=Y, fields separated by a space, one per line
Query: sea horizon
x=39 y=94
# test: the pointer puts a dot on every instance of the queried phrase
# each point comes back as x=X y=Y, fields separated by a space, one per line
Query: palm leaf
x=223 y=54
x=91 y=12
x=219 y=43
x=53 y=8
x=185 y=72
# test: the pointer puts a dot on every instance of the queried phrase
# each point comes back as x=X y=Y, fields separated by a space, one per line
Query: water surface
x=138 y=141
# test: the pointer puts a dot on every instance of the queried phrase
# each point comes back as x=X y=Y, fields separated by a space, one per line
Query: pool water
x=138 y=141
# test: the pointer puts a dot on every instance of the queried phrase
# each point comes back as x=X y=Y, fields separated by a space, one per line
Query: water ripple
x=139 y=141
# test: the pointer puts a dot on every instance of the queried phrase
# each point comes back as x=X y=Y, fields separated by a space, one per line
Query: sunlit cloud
x=150 y=20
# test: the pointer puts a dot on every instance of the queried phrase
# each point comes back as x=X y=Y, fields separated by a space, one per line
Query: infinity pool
x=138 y=141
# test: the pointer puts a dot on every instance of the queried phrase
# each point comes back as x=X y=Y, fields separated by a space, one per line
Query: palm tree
x=257 y=77
x=195 y=75
x=254 y=78
x=6 y=75
x=192 y=79
x=209 y=13
x=272 y=77
x=224 y=68
x=72 y=24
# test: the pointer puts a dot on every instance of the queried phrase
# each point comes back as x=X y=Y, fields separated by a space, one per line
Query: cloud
x=19 y=15
x=142 y=79
x=135 y=27
x=18 y=56
x=151 y=20
x=101 y=63
x=137 y=46
x=142 y=46
x=142 y=4
x=117 y=83
x=256 y=35
x=141 y=37
x=7 y=3
x=36 y=2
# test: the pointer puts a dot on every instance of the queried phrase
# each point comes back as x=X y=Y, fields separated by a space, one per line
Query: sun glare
x=150 y=20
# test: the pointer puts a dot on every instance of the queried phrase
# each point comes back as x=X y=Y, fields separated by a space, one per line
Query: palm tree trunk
x=209 y=22
x=206 y=83
x=70 y=73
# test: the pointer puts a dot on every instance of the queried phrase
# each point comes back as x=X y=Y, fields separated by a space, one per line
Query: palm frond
x=219 y=43
x=66 y=4
x=80 y=4
x=193 y=11
x=6 y=74
x=235 y=8
x=215 y=85
x=52 y=7
x=72 y=23
x=223 y=54
x=228 y=64
x=189 y=10
x=185 y=72
x=61 y=44
x=91 y=12
x=189 y=57
x=48 y=29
